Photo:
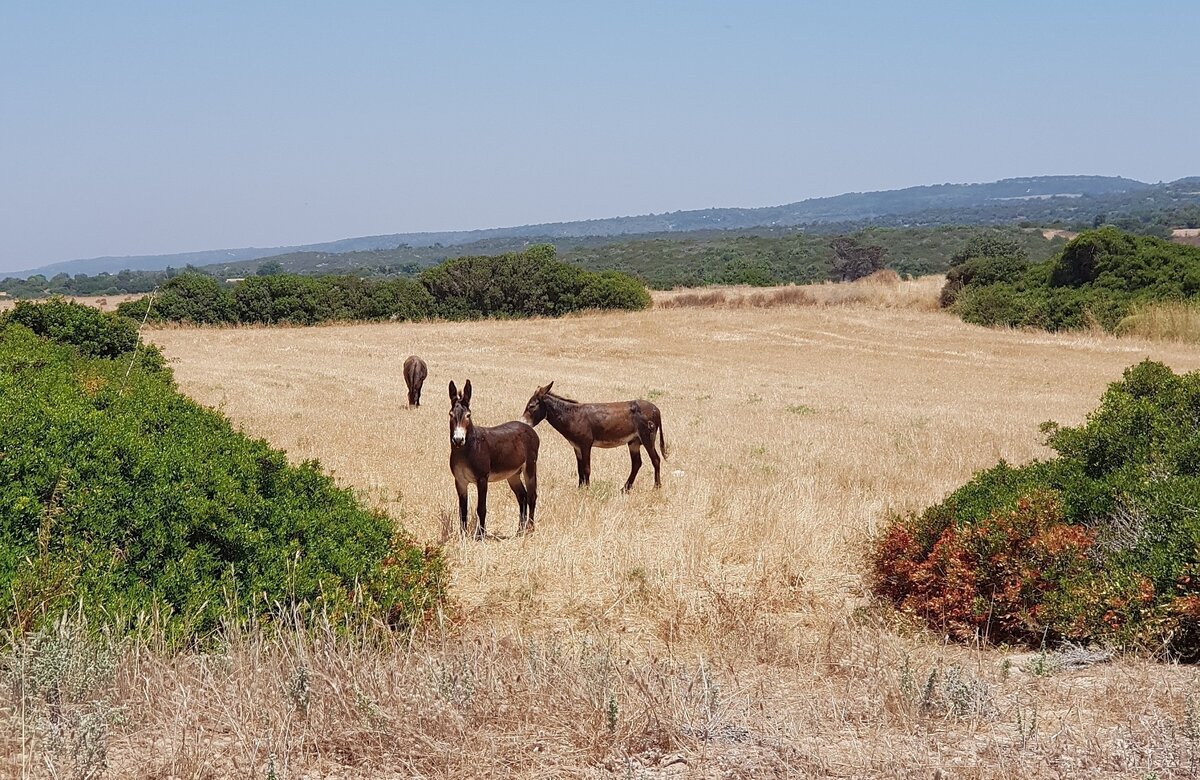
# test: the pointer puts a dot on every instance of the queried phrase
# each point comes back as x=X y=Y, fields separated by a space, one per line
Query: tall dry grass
x=860 y=701
x=716 y=628
x=1163 y=321
x=882 y=290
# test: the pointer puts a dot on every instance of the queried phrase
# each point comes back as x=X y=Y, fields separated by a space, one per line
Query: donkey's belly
x=467 y=474
x=616 y=442
x=501 y=476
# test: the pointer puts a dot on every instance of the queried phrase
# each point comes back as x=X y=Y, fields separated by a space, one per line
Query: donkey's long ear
x=543 y=390
x=453 y=393
x=466 y=396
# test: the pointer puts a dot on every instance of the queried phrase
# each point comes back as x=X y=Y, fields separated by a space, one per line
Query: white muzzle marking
x=460 y=435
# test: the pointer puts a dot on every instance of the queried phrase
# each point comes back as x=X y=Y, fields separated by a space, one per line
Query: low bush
x=122 y=499
x=91 y=331
x=613 y=290
x=1099 y=278
x=1099 y=544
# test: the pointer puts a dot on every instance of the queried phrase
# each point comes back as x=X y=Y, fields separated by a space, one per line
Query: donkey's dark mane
x=558 y=397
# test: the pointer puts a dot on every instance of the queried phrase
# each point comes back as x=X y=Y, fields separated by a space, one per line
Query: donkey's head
x=460 y=414
x=535 y=410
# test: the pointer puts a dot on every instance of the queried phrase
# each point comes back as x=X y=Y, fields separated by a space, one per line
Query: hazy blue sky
x=152 y=127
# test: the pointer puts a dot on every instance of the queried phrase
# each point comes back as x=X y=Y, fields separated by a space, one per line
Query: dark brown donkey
x=481 y=455
x=415 y=372
x=601 y=425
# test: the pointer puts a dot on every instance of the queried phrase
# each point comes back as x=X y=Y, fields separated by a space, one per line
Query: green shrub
x=613 y=290
x=1101 y=543
x=1099 y=278
x=995 y=304
x=121 y=498
x=401 y=299
x=280 y=299
x=522 y=284
x=525 y=284
x=195 y=298
x=90 y=330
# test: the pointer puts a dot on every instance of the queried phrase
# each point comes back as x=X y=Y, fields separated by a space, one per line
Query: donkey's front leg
x=461 y=487
x=481 y=487
x=583 y=461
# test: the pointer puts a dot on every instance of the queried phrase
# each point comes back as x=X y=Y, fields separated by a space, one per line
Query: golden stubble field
x=718 y=627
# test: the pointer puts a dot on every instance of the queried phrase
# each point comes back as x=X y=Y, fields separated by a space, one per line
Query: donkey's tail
x=662 y=442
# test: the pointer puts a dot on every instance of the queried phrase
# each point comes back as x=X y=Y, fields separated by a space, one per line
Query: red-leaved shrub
x=1019 y=575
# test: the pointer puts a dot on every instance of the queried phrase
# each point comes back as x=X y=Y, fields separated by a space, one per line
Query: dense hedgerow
x=1098 y=279
x=1099 y=544
x=521 y=284
x=307 y=300
x=121 y=497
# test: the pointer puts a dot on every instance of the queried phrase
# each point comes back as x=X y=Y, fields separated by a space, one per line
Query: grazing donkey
x=601 y=425
x=481 y=455
x=415 y=372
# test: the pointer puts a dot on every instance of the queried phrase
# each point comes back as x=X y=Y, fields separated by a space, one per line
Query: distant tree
x=853 y=260
x=270 y=268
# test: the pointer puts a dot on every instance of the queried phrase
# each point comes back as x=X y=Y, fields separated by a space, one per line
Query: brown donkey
x=601 y=425
x=415 y=372
x=481 y=455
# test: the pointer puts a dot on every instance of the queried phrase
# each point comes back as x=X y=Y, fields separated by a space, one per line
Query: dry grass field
x=715 y=628
x=102 y=302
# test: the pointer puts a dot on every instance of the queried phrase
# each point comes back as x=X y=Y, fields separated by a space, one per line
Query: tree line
x=533 y=283
x=762 y=256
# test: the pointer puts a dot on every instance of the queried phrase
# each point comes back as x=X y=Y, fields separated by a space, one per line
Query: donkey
x=601 y=425
x=415 y=372
x=481 y=455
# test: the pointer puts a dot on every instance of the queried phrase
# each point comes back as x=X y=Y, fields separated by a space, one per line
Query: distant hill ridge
x=1004 y=200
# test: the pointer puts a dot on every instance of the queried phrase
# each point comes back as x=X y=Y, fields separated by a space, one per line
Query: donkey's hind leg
x=646 y=434
x=518 y=489
x=531 y=494
x=635 y=463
